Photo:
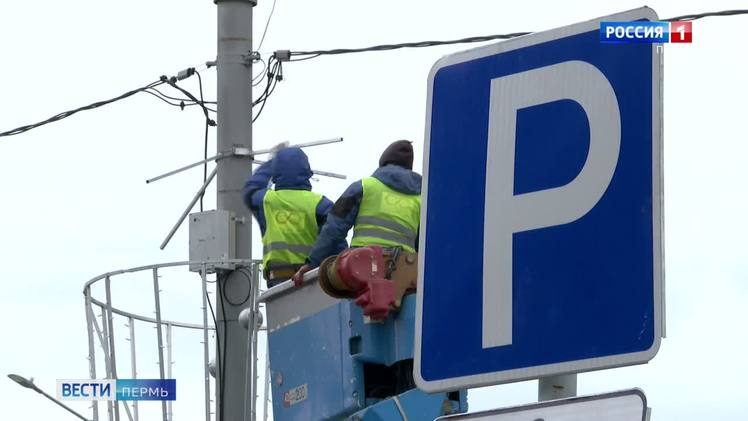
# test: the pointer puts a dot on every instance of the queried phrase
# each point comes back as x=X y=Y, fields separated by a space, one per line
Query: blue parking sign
x=541 y=246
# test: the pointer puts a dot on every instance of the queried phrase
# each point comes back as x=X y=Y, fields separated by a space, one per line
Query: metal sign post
x=541 y=246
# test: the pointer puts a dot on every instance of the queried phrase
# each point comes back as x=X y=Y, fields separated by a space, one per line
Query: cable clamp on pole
x=248 y=59
x=251 y=57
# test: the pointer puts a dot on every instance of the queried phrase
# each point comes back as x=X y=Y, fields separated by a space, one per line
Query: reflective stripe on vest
x=386 y=217
x=280 y=245
x=291 y=226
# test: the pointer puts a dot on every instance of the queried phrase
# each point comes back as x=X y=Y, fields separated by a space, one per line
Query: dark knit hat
x=398 y=153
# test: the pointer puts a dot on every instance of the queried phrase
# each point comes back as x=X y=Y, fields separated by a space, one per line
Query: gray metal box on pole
x=212 y=237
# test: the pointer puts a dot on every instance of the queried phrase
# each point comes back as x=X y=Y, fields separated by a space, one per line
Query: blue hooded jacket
x=343 y=215
x=289 y=170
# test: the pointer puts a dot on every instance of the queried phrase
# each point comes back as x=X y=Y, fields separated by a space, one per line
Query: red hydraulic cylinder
x=363 y=271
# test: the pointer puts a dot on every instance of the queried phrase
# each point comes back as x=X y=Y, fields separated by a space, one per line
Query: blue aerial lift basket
x=329 y=361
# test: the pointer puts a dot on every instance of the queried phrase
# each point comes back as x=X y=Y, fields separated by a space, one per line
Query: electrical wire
x=149 y=89
x=259 y=78
x=212 y=313
x=182 y=104
x=307 y=55
x=274 y=75
x=264 y=100
x=389 y=47
x=275 y=71
x=273 y=82
x=66 y=114
x=223 y=357
x=708 y=14
x=213 y=110
x=269 y=75
x=162 y=98
x=219 y=356
x=181 y=99
x=218 y=338
x=207 y=124
x=222 y=365
x=267 y=23
x=306 y=58
x=172 y=82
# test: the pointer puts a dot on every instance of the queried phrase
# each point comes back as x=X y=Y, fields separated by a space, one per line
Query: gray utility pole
x=234 y=129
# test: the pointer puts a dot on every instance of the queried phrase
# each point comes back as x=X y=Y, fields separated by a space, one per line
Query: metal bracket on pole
x=557 y=387
x=251 y=57
x=241 y=151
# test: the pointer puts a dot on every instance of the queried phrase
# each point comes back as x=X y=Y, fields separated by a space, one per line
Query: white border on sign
x=637 y=394
x=514 y=375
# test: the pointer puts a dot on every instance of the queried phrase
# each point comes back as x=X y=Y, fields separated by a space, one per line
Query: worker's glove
x=298 y=277
x=274 y=150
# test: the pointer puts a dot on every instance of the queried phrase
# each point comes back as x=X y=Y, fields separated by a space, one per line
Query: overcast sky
x=75 y=203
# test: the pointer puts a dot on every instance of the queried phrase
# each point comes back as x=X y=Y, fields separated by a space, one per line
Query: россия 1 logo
x=645 y=32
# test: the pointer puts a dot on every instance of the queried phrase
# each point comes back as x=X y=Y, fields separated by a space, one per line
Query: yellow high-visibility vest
x=386 y=217
x=291 y=226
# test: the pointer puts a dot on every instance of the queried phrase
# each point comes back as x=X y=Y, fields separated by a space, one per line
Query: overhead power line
x=708 y=14
x=288 y=55
x=150 y=88
x=66 y=114
x=267 y=23
x=182 y=102
x=274 y=71
x=280 y=56
x=173 y=83
x=386 y=47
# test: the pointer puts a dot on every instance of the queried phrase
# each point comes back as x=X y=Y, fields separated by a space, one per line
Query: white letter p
x=506 y=213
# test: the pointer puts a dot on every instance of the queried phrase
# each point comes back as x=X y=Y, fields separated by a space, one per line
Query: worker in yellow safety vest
x=383 y=209
x=290 y=215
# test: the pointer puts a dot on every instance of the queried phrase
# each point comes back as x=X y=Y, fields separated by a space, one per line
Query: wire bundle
x=273 y=71
x=66 y=114
x=273 y=75
x=306 y=55
x=151 y=89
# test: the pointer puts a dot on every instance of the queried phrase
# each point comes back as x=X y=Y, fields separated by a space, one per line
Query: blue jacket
x=289 y=170
x=343 y=215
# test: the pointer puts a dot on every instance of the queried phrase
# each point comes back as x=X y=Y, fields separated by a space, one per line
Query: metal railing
x=104 y=333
